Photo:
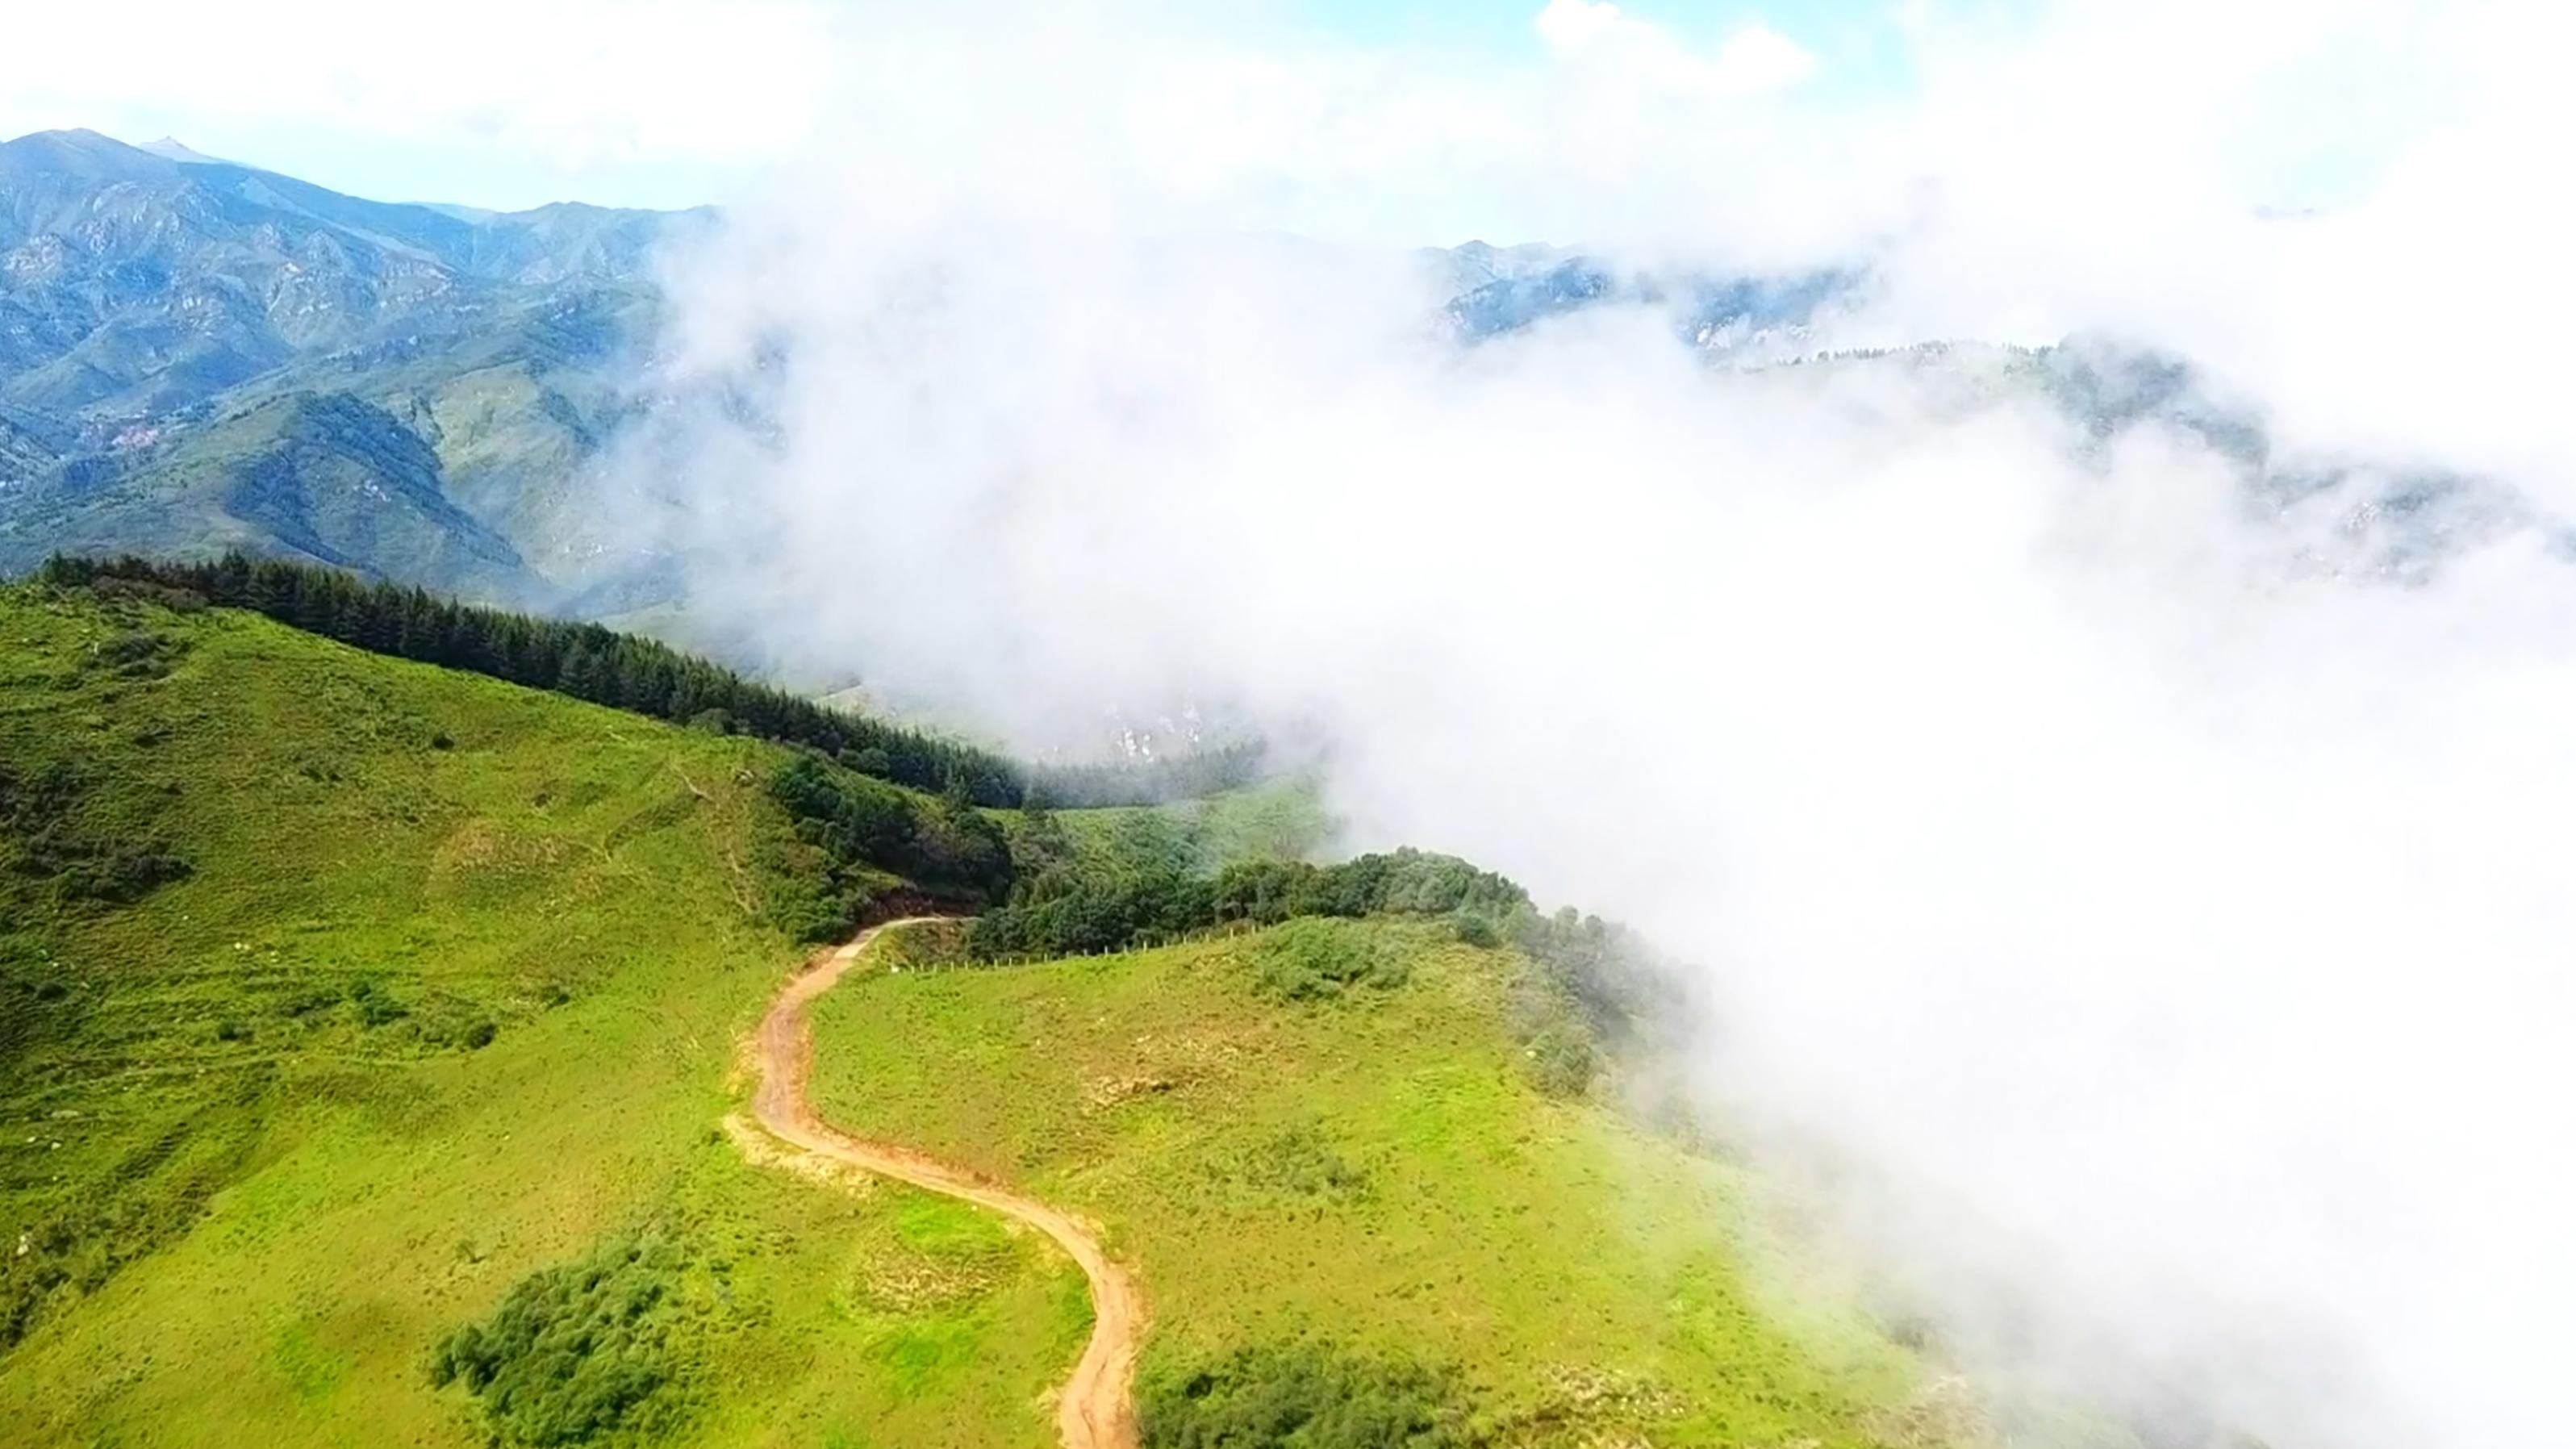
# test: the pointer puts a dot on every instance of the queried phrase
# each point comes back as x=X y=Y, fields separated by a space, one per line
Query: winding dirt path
x=1097 y=1409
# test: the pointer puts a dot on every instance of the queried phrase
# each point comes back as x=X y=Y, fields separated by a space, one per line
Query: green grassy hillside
x=1368 y=1187
x=347 y=1002
x=321 y=475
x=366 y=1030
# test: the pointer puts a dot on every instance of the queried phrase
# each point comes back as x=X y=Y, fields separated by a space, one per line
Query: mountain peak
x=76 y=140
x=171 y=148
x=81 y=153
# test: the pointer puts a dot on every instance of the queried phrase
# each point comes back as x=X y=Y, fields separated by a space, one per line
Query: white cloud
x=1574 y=24
x=1757 y=59
x=2173 y=932
x=569 y=88
x=1754 y=61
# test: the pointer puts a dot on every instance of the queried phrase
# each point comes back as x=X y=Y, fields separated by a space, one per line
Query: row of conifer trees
x=624 y=671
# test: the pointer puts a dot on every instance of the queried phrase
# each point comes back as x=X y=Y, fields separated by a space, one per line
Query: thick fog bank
x=2131 y=855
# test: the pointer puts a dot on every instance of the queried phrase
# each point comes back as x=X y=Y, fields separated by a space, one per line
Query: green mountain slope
x=340 y=997
x=148 y=302
x=29 y=446
x=1383 y=1177
x=319 y=476
x=366 y=1029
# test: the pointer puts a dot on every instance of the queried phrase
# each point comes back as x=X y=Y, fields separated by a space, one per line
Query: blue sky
x=673 y=102
x=1408 y=122
x=1860 y=37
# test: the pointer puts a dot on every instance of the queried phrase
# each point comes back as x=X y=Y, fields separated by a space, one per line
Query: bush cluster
x=1314 y=959
x=1402 y=882
x=1140 y=887
x=1298 y=1161
x=36 y=999
x=375 y=1005
x=140 y=654
x=1120 y=898
x=578 y=1352
x=864 y=830
x=1303 y=1396
x=42 y=840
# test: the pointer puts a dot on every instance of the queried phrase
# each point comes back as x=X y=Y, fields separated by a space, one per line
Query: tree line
x=871 y=847
x=624 y=671
x=1141 y=884
x=1201 y=772
x=1139 y=888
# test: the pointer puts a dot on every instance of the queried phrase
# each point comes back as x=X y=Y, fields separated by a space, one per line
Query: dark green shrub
x=1561 y=1061
x=578 y=1352
x=863 y=830
x=1299 y=1161
x=304 y=1001
x=1620 y=985
x=1314 y=960
x=1478 y=931
x=1074 y=911
x=480 y=1035
x=140 y=654
x=1144 y=885
x=1266 y=892
x=376 y=1006
x=177 y=601
x=46 y=839
x=1403 y=882
x=1302 y=1396
x=116 y=873
x=1134 y=883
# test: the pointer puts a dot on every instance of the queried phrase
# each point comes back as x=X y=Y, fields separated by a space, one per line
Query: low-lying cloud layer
x=2141 y=878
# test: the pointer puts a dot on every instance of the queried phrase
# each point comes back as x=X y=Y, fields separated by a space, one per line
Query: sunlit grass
x=1377 y=1169
x=270 y=1200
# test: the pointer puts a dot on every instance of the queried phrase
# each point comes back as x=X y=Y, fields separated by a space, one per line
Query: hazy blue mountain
x=197 y=355
x=2337 y=514
x=158 y=307
x=1515 y=299
x=322 y=475
x=1461 y=269
x=1522 y=286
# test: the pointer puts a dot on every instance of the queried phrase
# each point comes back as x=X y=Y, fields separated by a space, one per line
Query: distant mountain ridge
x=180 y=335
x=198 y=355
x=1719 y=315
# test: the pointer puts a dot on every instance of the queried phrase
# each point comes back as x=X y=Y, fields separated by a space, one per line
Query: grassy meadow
x=1380 y=1171
x=369 y=1031
x=344 y=996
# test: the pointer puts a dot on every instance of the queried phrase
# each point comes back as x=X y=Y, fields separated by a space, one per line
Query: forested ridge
x=625 y=671
x=1144 y=887
x=1046 y=899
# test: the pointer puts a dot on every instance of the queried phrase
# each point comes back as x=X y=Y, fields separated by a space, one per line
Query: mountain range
x=1741 y=318
x=197 y=354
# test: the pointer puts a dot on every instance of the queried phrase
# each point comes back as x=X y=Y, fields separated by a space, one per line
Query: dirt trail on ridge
x=1097 y=1409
